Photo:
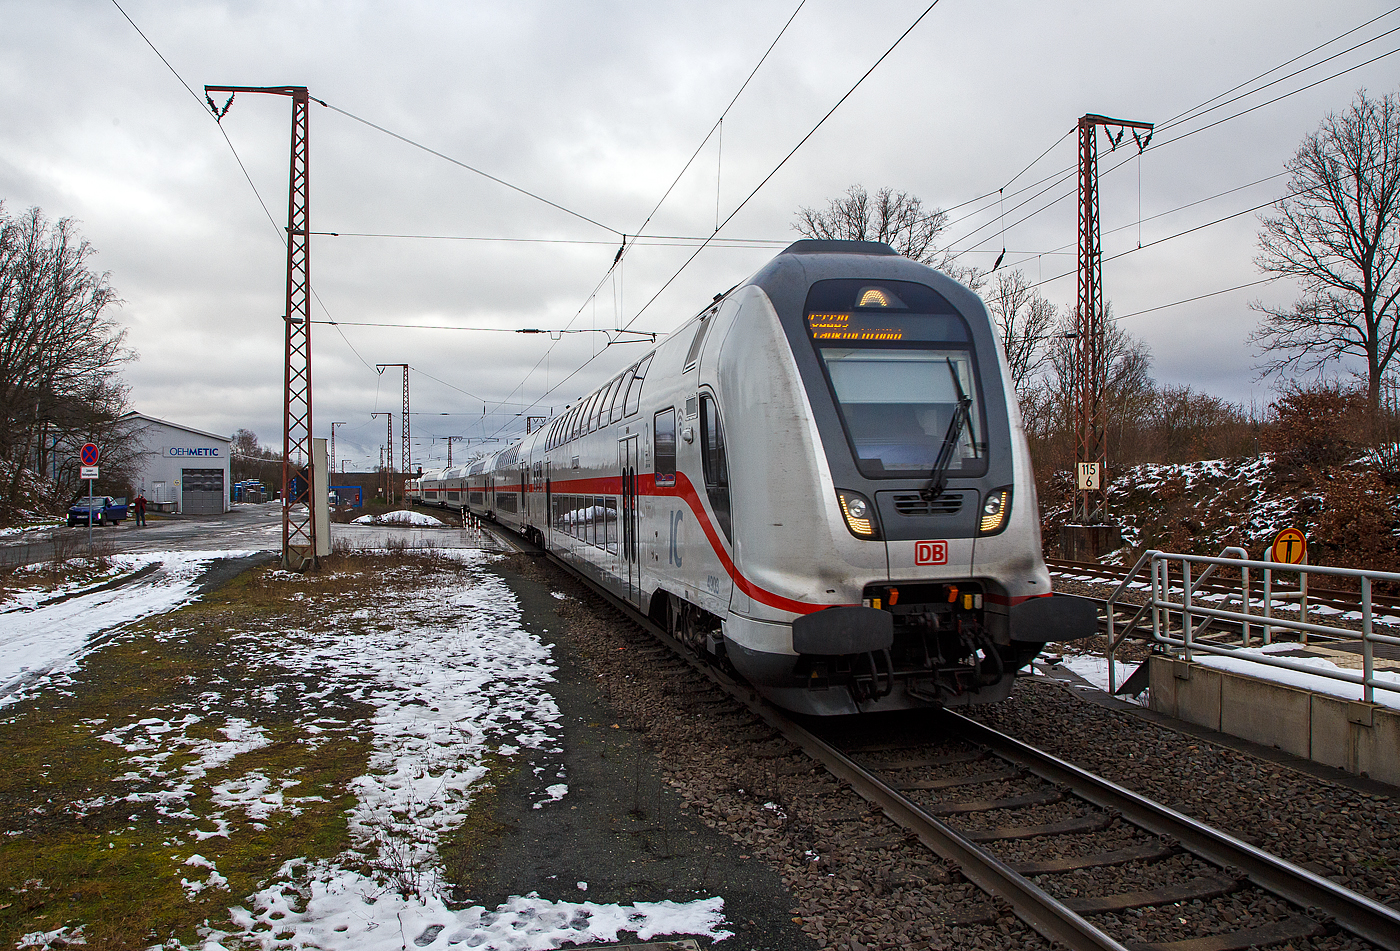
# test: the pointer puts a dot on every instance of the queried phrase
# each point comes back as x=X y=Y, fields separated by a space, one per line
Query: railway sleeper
x=1201 y=888
x=1292 y=928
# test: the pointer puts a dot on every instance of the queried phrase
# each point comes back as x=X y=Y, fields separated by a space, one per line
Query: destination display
x=835 y=327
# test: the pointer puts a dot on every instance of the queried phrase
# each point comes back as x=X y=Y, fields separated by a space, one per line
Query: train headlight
x=860 y=519
x=996 y=509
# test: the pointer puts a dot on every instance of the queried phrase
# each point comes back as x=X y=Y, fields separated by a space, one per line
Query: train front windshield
x=899 y=361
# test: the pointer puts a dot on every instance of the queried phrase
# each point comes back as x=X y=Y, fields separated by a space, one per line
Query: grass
x=85 y=837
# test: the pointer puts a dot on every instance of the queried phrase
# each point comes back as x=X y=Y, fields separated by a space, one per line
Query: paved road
x=250 y=527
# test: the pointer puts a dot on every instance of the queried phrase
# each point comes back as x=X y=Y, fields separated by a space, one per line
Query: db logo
x=930 y=553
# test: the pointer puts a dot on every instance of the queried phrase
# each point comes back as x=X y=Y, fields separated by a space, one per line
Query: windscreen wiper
x=961 y=411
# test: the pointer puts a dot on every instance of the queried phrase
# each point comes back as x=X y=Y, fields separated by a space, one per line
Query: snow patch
x=36 y=642
x=402 y=517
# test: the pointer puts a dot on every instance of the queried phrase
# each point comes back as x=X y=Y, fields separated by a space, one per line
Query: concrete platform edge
x=1362 y=739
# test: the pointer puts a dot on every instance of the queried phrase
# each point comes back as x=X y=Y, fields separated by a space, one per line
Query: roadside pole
x=88 y=457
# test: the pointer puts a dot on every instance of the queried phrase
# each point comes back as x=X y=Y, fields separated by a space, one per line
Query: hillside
x=1347 y=511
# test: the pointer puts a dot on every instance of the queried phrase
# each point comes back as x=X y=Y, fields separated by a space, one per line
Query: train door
x=548 y=516
x=629 y=565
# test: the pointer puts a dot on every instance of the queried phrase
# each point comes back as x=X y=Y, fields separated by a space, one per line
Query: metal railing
x=1180 y=616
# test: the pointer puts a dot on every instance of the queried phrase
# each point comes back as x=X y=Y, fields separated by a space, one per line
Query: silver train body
x=822 y=476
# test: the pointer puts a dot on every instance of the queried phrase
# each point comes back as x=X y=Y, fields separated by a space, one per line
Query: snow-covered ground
x=454 y=682
x=35 y=641
x=402 y=517
x=1094 y=669
x=1239 y=662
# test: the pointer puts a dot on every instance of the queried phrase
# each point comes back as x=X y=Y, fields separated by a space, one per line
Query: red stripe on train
x=685 y=491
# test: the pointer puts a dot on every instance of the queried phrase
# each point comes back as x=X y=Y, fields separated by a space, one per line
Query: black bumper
x=843 y=630
x=1056 y=617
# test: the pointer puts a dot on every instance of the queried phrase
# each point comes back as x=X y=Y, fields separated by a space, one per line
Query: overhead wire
x=1200 y=110
x=777 y=168
x=622 y=251
x=669 y=240
x=719 y=123
x=243 y=168
x=1069 y=172
x=471 y=168
x=1189 y=300
x=1065 y=248
x=759 y=186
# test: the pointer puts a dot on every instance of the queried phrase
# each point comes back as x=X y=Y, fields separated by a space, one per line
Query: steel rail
x=1377 y=923
x=1331 y=597
x=1049 y=917
x=1032 y=904
x=1037 y=908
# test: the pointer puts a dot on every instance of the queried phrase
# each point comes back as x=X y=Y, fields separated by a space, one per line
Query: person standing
x=140 y=509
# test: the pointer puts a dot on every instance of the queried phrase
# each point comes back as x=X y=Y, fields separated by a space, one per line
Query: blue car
x=103 y=509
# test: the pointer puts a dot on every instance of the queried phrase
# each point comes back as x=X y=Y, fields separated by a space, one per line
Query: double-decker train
x=821 y=476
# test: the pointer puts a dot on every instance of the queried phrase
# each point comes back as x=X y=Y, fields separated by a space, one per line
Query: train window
x=605 y=414
x=620 y=395
x=610 y=524
x=697 y=341
x=713 y=461
x=634 y=392
x=600 y=413
x=593 y=406
x=583 y=416
x=664 y=440
x=898 y=359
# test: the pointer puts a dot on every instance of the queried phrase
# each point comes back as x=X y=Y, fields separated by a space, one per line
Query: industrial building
x=181 y=469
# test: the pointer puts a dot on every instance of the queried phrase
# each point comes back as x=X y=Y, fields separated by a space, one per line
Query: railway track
x=1027 y=828
x=1332 y=598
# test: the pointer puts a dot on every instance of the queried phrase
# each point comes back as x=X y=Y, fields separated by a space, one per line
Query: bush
x=1319 y=424
x=1357 y=527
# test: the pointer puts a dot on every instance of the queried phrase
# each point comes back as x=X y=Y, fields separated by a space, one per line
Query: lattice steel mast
x=389 y=449
x=405 y=456
x=298 y=528
x=333 y=426
x=1091 y=504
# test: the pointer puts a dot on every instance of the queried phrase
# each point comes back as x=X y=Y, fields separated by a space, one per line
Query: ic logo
x=931 y=553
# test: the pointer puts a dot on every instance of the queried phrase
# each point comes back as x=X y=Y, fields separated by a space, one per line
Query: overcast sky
x=596 y=107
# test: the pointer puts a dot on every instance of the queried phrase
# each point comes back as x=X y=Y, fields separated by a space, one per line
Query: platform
x=1361 y=738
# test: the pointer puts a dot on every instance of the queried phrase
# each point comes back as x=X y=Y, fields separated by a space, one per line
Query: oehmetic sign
x=185 y=452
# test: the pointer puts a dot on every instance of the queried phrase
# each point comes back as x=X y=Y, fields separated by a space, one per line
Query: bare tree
x=60 y=352
x=1338 y=234
x=894 y=218
x=1025 y=321
x=1129 y=393
x=253 y=461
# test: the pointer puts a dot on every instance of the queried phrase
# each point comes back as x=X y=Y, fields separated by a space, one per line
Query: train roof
x=824 y=246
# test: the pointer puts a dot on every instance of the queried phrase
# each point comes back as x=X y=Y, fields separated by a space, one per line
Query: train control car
x=822 y=477
x=442 y=488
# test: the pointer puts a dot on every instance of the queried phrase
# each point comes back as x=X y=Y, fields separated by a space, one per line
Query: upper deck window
x=896 y=354
x=634 y=392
